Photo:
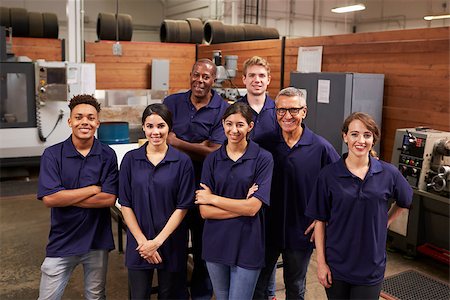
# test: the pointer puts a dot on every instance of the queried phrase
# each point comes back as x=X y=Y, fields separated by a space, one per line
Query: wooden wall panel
x=268 y=49
x=132 y=70
x=416 y=67
x=37 y=48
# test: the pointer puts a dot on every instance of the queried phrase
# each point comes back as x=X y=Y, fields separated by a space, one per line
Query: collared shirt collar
x=306 y=138
x=374 y=167
x=250 y=153
x=69 y=149
x=213 y=103
x=171 y=155
x=268 y=103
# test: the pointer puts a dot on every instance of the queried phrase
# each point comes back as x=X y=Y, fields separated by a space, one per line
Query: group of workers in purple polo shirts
x=222 y=157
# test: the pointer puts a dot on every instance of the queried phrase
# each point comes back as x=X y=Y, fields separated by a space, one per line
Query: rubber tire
x=239 y=33
x=125 y=27
x=249 y=33
x=214 y=32
x=196 y=26
x=106 y=26
x=51 y=26
x=271 y=33
x=168 y=32
x=184 y=32
x=4 y=17
x=35 y=25
x=19 y=21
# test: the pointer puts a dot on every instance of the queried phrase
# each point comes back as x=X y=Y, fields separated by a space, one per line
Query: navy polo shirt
x=75 y=230
x=196 y=126
x=154 y=193
x=265 y=120
x=237 y=241
x=295 y=173
x=357 y=213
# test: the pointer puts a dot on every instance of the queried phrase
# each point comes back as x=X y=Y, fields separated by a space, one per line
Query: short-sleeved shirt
x=154 y=193
x=265 y=120
x=195 y=126
x=75 y=230
x=295 y=173
x=357 y=213
x=237 y=241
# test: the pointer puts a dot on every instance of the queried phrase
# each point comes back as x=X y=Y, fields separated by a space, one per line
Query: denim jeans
x=232 y=282
x=295 y=265
x=56 y=272
x=272 y=285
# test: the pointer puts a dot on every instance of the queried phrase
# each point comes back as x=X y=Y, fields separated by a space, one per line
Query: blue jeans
x=295 y=265
x=272 y=285
x=56 y=272
x=232 y=282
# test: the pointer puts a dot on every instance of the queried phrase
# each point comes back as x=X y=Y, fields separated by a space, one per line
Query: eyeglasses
x=292 y=110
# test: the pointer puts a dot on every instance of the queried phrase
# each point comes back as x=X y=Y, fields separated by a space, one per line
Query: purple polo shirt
x=357 y=213
x=237 y=241
x=153 y=193
x=75 y=230
x=196 y=126
x=265 y=120
x=294 y=175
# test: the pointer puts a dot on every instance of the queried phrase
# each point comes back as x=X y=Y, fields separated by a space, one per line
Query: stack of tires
x=192 y=30
x=29 y=24
x=216 y=32
x=107 y=27
x=181 y=31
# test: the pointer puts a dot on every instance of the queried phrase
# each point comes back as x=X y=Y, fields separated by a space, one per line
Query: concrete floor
x=24 y=226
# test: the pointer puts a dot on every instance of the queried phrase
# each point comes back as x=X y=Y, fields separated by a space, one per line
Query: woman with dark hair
x=156 y=189
x=235 y=185
x=350 y=205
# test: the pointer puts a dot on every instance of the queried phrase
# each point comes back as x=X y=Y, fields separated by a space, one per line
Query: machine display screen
x=56 y=75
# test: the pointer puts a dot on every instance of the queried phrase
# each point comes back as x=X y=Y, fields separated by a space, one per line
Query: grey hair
x=292 y=92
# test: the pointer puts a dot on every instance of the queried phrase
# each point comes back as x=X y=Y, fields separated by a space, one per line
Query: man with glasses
x=299 y=155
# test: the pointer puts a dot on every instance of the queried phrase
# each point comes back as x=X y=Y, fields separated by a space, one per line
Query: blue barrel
x=114 y=133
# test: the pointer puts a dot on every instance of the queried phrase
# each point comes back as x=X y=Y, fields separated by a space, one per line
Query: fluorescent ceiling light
x=429 y=18
x=350 y=8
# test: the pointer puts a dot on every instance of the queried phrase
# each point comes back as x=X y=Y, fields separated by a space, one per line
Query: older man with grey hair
x=299 y=155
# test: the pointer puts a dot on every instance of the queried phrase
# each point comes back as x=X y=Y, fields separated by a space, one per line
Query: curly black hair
x=84 y=99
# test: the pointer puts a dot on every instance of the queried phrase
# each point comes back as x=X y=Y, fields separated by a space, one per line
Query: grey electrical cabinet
x=331 y=97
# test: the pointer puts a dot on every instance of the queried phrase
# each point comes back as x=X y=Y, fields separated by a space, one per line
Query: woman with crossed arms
x=235 y=190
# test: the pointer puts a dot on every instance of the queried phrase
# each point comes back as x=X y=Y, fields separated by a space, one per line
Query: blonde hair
x=255 y=61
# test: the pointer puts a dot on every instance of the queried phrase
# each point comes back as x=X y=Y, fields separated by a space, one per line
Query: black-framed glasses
x=292 y=110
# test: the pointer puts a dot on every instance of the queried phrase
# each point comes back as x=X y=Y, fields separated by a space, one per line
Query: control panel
x=423 y=157
x=411 y=158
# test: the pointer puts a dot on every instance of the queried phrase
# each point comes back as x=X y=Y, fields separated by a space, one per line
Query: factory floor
x=24 y=226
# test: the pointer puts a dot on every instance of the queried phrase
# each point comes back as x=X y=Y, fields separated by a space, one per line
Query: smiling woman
x=351 y=193
x=156 y=190
x=236 y=181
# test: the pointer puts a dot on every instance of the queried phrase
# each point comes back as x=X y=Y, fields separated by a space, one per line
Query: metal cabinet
x=331 y=97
